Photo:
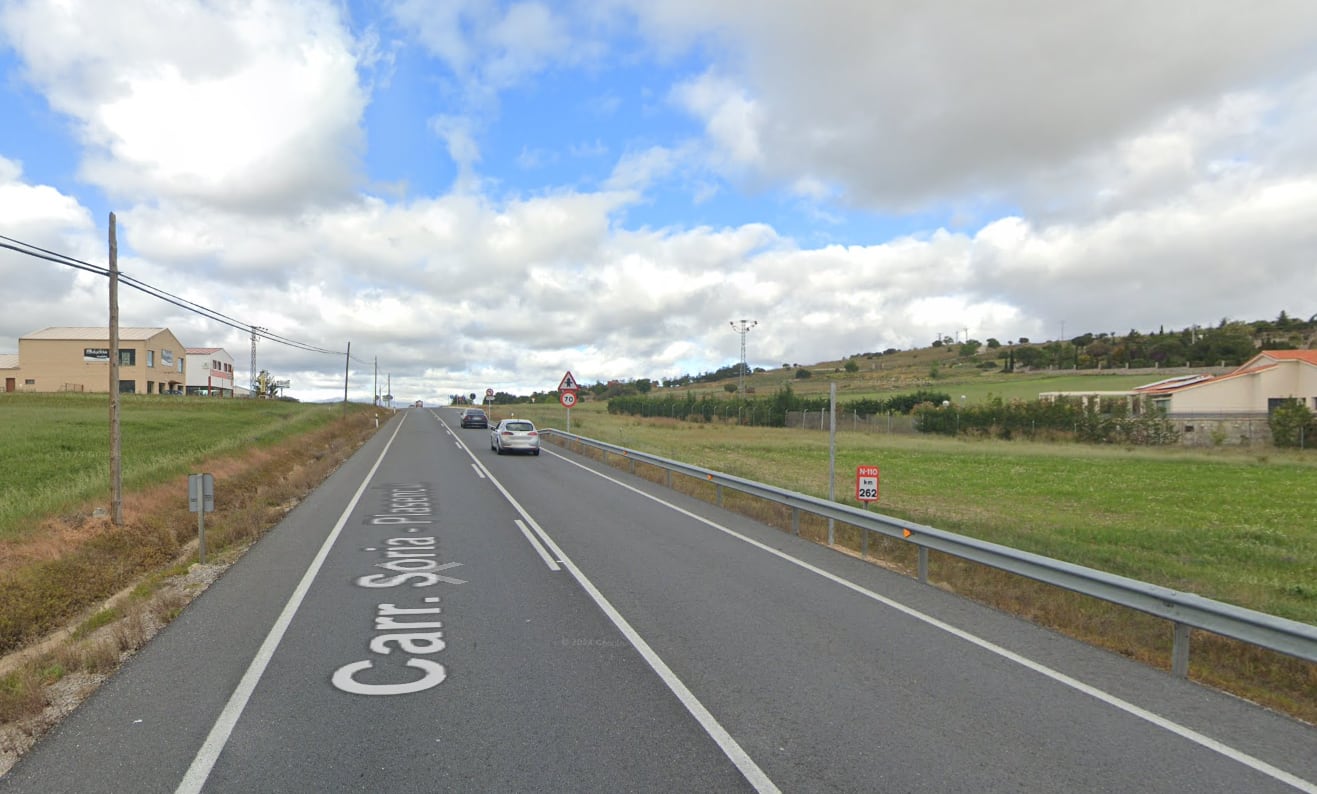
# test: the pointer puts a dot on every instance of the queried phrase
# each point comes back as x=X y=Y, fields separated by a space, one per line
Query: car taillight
x=532 y=433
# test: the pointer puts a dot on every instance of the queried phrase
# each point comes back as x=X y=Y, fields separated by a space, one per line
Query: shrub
x=1293 y=425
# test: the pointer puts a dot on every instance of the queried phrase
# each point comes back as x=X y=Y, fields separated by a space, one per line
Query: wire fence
x=889 y=423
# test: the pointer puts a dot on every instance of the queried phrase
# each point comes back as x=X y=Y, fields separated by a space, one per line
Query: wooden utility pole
x=116 y=464
x=347 y=367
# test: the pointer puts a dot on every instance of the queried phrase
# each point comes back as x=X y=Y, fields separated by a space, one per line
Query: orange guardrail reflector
x=905 y=533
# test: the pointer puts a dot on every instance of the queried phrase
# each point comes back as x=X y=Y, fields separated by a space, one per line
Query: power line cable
x=37 y=252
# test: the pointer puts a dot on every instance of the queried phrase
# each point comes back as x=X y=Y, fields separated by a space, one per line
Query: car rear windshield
x=521 y=426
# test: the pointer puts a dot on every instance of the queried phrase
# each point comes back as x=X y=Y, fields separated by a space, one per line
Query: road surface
x=440 y=618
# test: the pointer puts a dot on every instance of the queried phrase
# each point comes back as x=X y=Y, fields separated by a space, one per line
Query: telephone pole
x=116 y=461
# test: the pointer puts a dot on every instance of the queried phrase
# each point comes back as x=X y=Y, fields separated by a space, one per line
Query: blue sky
x=485 y=194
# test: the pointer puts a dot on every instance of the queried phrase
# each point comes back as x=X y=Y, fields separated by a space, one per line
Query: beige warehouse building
x=151 y=361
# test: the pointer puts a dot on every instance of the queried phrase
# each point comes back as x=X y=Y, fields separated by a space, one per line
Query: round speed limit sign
x=567 y=398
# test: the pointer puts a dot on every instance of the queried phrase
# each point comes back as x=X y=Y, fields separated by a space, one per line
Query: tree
x=852 y=366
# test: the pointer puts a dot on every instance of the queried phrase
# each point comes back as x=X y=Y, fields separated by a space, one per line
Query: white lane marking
x=228 y=718
x=535 y=544
x=479 y=473
x=730 y=747
x=1182 y=731
x=488 y=475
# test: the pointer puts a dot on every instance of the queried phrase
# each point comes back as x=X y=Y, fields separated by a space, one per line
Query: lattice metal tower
x=742 y=327
x=254 y=328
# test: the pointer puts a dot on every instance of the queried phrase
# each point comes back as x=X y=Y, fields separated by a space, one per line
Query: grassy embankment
x=60 y=556
x=1235 y=525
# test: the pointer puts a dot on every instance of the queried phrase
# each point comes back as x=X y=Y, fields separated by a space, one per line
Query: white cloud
x=906 y=104
x=253 y=105
x=732 y=118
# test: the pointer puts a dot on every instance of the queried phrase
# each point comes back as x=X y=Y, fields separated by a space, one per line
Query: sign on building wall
x=96 y=354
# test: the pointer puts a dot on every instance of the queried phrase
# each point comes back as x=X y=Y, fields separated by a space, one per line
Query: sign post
x=201 y=500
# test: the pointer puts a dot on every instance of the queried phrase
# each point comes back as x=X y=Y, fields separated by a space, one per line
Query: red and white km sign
x=866 y=483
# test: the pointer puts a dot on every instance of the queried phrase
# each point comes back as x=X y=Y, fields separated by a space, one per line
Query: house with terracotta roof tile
x=1258 y=386
x=1233 y=407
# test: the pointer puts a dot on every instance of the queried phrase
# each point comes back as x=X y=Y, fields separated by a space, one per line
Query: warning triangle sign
x=568 y=383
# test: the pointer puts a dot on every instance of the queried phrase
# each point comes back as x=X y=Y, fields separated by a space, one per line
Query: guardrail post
x=667 y=477
x=719 y=486
x=923 y=564
x=1180 y=651
x=795 y=521
x=633 y=465
x=864 y=543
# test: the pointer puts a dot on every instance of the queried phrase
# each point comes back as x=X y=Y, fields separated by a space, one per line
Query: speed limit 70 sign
x=866 y=483
x=567 y=398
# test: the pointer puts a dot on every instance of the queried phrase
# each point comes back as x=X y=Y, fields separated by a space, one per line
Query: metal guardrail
x=1185 y=611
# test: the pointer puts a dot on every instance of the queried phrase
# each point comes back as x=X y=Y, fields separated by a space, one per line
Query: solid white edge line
x=1182 y=731
x=220 y=732
x=539 y=548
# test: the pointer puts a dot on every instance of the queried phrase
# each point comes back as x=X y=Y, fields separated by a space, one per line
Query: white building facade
x=209 y=372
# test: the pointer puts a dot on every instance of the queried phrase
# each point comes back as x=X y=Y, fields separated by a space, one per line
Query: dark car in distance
x=474 y=417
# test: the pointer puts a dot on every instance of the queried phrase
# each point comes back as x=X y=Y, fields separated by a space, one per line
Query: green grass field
x=54 y=448
x=1234 y=525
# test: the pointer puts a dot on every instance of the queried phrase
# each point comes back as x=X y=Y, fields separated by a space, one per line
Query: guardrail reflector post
x=1180 y=651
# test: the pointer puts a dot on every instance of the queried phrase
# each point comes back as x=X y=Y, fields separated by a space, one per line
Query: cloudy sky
x=486 y=194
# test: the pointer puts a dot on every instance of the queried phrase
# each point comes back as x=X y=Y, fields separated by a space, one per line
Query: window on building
x=127 y=358
x=29 y=381
x=150 y=360
x=127 y=387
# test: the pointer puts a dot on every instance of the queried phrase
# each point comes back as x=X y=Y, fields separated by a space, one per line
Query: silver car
x=514 y=435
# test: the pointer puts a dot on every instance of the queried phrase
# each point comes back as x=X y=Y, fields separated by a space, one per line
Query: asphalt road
x=439 y=618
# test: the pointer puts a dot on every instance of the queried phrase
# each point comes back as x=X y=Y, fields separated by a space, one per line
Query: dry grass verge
x=80 y=595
